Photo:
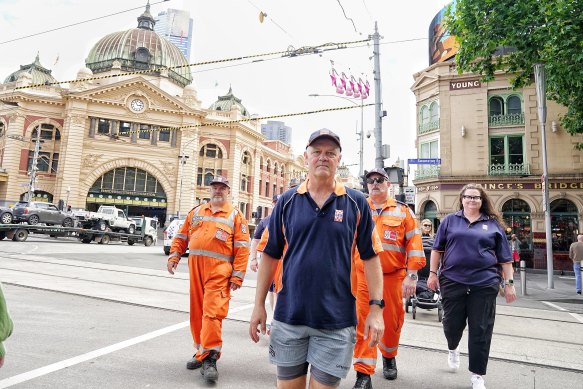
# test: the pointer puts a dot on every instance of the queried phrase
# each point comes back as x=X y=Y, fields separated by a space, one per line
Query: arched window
x=210 y=164
x=275 y=168
x=424 y=115
x=516 y=215
x=268 y=166
x=514 y=105
x=496 y=106
x=246 y=172
x=564 y=224
x=434 y=112
x=430 y=212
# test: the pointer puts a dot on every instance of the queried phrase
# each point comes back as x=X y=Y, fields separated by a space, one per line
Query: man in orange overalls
x=403 y=255
x=217 y=237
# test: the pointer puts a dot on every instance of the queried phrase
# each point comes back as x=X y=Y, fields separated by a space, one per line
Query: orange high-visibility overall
x=399 y=232
x=218 y=245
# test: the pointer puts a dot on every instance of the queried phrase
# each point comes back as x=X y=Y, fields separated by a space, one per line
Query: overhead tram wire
x=78 y=23
x=293 y=53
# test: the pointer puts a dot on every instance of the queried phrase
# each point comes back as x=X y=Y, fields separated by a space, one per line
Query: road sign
x=409 y=194
x=424 y=161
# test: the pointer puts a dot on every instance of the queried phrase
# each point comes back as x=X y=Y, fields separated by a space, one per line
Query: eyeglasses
x=473 y=198
x=378 y=180
x=426 y=225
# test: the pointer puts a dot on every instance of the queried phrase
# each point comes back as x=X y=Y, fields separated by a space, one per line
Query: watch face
x=137 y=105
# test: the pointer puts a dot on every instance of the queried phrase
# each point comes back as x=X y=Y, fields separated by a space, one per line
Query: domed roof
x=40 y=74
x=139 y=49
x=226 y=103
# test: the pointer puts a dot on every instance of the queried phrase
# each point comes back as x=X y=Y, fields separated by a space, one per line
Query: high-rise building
x=274 y=130
x=176 y=26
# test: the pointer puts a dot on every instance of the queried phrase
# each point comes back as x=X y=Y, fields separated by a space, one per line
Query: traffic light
x=395 y=175
x=363 y=182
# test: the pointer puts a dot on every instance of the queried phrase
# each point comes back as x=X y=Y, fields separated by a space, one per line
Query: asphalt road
x=94 y=316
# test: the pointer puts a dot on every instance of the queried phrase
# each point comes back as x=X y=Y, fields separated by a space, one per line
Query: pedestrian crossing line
x=576 y=316
x=30 y=375
x=554 y=306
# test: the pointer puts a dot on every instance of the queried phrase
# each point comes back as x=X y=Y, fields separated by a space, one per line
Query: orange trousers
x=209 y=302
x=365 y=357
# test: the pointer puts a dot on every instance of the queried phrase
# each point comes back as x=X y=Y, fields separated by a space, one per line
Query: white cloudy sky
x=230 y=28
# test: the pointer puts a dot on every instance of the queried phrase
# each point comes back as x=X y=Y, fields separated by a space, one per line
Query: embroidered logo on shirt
x=338 y=215
x=221 y=235
x=244 y=228
x=196 y=220
x=485 y=227
x=390 y=235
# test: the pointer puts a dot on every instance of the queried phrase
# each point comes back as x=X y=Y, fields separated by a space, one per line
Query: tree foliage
x=513 y=35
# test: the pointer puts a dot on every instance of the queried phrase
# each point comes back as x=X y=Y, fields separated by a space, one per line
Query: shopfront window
x=516 y=215
x=564 y=224
x=430 y=212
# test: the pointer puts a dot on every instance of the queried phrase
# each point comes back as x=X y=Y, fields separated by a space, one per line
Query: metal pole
x=33 y=167
x=182 y=158
x=378 y=130
x=539 y=77
x=523 y=277
x=361 y=162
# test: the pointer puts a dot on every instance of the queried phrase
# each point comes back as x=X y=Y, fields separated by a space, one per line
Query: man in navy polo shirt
x=314 y=229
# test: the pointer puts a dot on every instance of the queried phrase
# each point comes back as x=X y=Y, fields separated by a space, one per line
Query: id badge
x=221 y=235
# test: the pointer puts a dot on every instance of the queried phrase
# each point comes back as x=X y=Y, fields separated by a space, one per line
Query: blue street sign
x=424 y=161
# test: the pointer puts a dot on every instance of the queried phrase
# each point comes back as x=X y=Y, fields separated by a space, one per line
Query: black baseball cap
x=324 y=133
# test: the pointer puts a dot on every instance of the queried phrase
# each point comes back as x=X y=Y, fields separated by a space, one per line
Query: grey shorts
x=328 y=350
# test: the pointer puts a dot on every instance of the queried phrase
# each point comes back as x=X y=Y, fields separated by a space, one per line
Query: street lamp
x=361 y=134
x=67 y=200
x=183 y=157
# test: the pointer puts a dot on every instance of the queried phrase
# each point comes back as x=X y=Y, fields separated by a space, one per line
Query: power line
x=291 y=53
x=347 y=18
x=76 y=24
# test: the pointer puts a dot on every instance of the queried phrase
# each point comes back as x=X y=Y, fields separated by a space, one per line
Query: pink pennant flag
x=333 y=77
x=342 y=87
x=355 y=87
x=349 y=88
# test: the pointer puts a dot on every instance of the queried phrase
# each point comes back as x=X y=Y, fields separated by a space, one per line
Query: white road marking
x=576 y=316
x=20 y=378
x=554 y=306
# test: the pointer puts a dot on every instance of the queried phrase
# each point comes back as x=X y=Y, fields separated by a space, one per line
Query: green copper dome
x=139 y=49
x=40 y=74
x=226 y=103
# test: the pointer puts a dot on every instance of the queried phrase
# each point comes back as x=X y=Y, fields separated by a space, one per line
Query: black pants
x=477 y=306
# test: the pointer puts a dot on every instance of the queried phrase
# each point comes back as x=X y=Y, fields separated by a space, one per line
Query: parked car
x=35 y=212
x=6 y=215
x=169 y=233
x=151 y=230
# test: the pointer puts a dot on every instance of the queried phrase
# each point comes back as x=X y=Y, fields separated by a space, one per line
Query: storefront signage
x=506 y=186
x=467 y=84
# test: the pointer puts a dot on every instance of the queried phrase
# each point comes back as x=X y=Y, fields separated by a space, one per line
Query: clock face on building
x=137 y=105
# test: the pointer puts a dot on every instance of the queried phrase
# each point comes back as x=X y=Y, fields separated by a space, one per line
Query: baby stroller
x=424 y=298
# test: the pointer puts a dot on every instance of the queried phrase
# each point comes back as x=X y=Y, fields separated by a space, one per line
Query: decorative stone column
x=70 y=157
x=15 y=148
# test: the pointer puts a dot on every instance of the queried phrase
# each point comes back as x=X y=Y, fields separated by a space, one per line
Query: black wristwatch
x=380 y=303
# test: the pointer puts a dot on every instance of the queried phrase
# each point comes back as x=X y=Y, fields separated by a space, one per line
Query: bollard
x=523 y=277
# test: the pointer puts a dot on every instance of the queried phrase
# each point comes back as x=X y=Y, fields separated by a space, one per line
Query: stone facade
x=487 y=133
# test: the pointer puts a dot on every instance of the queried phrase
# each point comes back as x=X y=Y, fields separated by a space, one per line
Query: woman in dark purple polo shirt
x=471 y=252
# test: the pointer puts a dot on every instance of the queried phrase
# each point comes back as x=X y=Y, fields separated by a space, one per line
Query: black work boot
x=390 y=368
x=193 y=363
x=363 y=381
x=209 y=367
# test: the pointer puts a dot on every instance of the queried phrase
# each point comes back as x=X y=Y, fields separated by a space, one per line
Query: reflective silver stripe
x=241 y=243
x=221 y=220
x=393 y=247
x=410 y=234
x=416 y=253
x=175 y=254
x=239 y=274
x=204 y=350
x=366 y=361
x=393 y=213
x=212 y=254
x=232 y=216
x=181 y=236
x=388 y=349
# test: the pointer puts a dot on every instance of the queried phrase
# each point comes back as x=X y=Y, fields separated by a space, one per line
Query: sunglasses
x=473 y=198
x=426 y=225
x=379 y=180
